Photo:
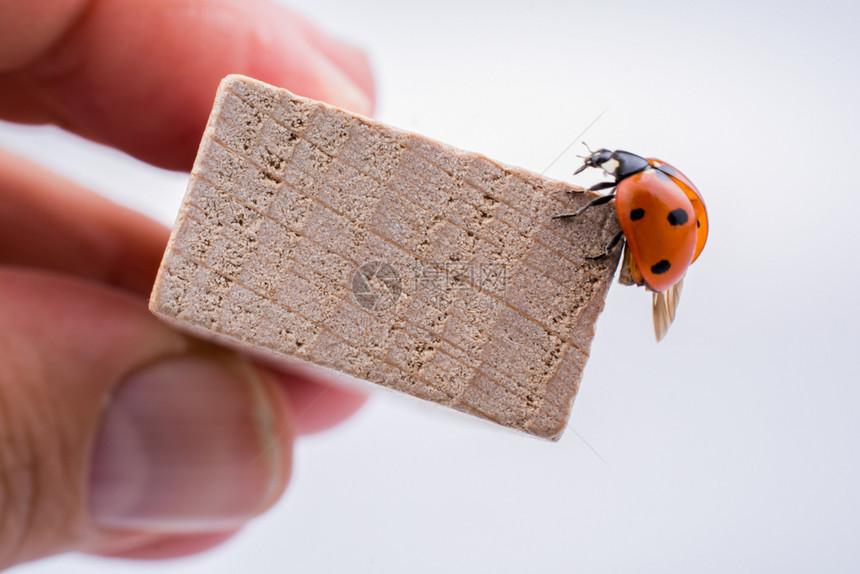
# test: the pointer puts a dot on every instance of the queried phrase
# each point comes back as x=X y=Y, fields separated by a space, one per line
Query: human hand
x=118 y=435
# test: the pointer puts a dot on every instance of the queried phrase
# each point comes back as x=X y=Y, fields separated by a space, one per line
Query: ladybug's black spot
x=698 y=224
x=637 y=214
x=678 y=217
x=660 y=267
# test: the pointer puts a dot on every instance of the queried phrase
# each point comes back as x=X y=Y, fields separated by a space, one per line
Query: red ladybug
x=663 y=219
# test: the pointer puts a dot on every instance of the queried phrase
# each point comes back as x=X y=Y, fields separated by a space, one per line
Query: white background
x=732 y=445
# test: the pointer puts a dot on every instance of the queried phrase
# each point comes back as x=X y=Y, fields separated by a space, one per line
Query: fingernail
x=342 y=69
x=342 y=91
x=190 y=444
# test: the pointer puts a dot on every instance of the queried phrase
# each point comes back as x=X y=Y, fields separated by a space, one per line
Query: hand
x=118 y=435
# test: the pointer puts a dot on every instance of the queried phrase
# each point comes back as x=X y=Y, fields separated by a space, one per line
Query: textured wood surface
x=329 y=238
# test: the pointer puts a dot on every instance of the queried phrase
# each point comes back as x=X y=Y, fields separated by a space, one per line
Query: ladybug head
x=596 y=159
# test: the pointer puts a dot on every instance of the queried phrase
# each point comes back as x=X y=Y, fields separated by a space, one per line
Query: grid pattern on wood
x=330 y=238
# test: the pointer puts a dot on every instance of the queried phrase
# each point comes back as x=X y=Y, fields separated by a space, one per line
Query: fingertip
x=318 y=405
x=351 y=59
x=141 y=76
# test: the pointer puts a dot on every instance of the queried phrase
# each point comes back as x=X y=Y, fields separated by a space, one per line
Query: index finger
x=141 y=76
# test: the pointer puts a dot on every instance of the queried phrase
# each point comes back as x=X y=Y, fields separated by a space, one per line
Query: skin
x=76 y=269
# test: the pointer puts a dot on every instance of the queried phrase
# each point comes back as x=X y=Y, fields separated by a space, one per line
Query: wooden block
x=329 y=238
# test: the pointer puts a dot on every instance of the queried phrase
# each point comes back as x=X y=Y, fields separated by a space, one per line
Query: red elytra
x=659 y=225
x=693 y=195
x=663 y=219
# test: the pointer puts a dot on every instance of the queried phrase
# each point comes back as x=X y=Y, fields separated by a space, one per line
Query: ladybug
x=663 y=219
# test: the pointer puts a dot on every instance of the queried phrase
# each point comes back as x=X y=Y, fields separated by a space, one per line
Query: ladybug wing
x=663 y=308
x=658 y=223
x=630 y=273
x=693 y=195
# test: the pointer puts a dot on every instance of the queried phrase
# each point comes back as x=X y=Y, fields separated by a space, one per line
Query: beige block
x=328 y=238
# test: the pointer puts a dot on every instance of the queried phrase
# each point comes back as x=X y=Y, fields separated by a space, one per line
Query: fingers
x=142 y=76
x=52 y=223
x=121 y=436
x=317 y=404
x=350 y=59
x=28 y=29
x=114 y=425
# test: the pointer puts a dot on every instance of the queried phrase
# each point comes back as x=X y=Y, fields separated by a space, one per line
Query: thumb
x=117 y=431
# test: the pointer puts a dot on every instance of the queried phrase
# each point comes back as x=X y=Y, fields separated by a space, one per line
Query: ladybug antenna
x=570 y=145
x=590 y=153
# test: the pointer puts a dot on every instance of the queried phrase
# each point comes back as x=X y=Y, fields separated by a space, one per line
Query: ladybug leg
x=596 y=201
x=602 y=185
x=609 y=247
x=595 y=187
